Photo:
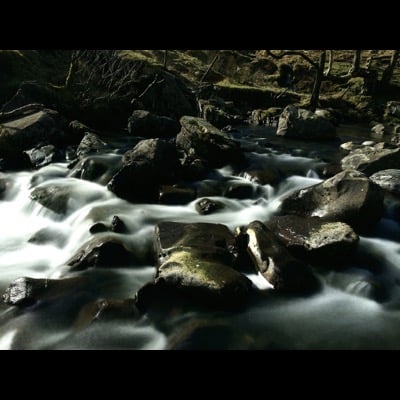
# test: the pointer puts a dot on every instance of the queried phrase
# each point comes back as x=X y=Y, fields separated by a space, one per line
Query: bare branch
x=284 y=53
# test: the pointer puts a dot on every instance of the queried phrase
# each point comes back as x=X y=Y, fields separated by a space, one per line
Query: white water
x=342 y=315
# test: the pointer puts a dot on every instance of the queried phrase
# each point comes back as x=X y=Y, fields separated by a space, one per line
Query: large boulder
x=149 y=164
x=313 y=239
x=144 y=123
x=195 y=263
x=298 y=123
x=42 y=127
x=388 y=179
x=276 y=264
x=201 y=139
x=348 y=197
x=371 y=159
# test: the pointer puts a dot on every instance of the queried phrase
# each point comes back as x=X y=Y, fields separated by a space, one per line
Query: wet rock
x=98 y=227
x=348 y=197
x=117 y=225
x=239 y=190
x=216 y=115
x=208 y=206
x=101 y=252
x=97 y=168
x=26 y=291
x=176 y=196
x=313 y=239
x=297 y=123
x=49 y=235
x=276 y=264
x=5 y=184
x=53 y=197
x=90 y=144
x=144 y=123
x=371 y=159
x=105 y=310
x=44 y=155
x=194 y=263
x=201 y=139
x=262 y=176
x=378 y=131
x=265 y=117
x=45 y=126
x=388 y=179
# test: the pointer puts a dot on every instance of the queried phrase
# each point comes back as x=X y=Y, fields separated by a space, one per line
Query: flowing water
x=344 y=315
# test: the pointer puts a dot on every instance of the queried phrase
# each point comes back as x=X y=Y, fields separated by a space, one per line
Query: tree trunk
x=210 y=67
x=388 y=72
x=330 y=63
x=165 y=59
x=319 y=74
x=355 y=68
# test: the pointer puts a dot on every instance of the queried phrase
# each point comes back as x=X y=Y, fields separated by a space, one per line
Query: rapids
x=342 y=316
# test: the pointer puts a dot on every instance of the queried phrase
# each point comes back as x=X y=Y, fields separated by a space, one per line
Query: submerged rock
x=298 y=123
x=313 y=239
x=201 y=139
x=144 y=123
x=348 y=197
x=207 y=206
x=371 y=159
x=276 y=264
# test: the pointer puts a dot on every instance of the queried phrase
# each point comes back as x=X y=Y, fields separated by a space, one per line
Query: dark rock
x=193 y=169
x=44 y=155
x=371 y=159
x=97 y=168
x=207 y=206
x=202 y=140
x=297 y=123
x=91 y=143
x=98 y=227
x=27 y=291
x=265 y=117
x=392 y=110
x=105 y=310
x=77 y=130
x=117 y=225
x=176 y=196
x=53 y=197
x=276 y=264
x=32 y=92
x=217 y=116
x=45 y=126
x=313 y=239
x=388 y=179
x=239 y=190
x=144 y=123
x=348 y=197
x=262 y=176
x=101 y=252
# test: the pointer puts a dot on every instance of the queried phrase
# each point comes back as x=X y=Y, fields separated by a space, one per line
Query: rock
x=217 y=116
x=98 y=227
x=207 y=206
x=44 y=155
x=49 y=235
x=298 y=123
x=149 y=164
x=53 y=197
x=262 y=176
x=392 y=109
x=378 y=131
x=239 y=190
x=105 y=310
x=176 y=196
x=347 y=197
x=265 y=117
x=117 y=225
x=388 y=179
x=97 y=168
x=201 y=139
x=90 y=144
x=276 y=264
x=144 y=123
x=103 y=251
x=27 y=291
x=5 y=184
x=313 y=239
x=371 y=159
x=42 y=127
x=194 y=262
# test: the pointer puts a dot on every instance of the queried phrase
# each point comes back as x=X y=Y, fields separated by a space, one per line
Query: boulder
x=90 y=144
x=26 y=291
x=194 y=265
x=276 y=264
x=313 y=239
x=144 y=123
x=217 y=116
x=388 y=179
x=298 y=123
x=53 y=197
x=44 y=155
x=102 y=251
x=347 y=197
x=371 y=159
x=42 y=127
x=204 y=141
x=378 y=131
x=173 y=195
